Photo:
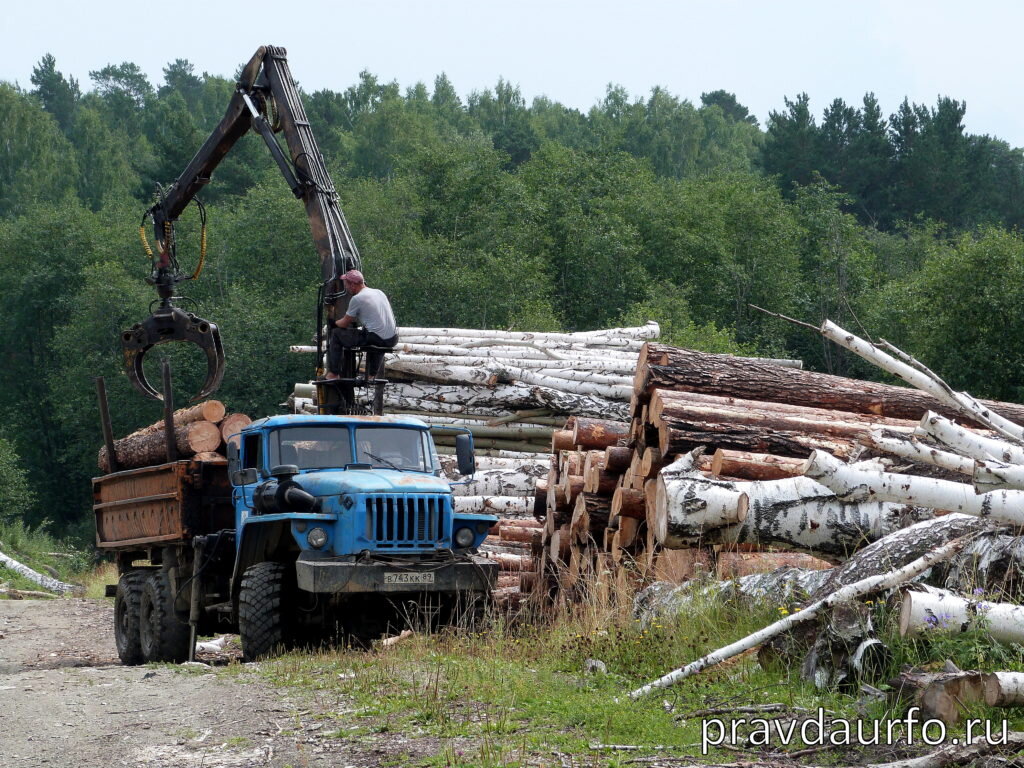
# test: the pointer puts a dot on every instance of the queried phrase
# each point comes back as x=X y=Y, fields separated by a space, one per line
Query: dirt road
x=65 y=700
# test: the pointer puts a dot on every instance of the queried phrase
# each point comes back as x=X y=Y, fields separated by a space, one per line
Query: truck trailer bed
x=162 y=503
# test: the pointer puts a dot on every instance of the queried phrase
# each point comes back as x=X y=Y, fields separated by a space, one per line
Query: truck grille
x=396 y=521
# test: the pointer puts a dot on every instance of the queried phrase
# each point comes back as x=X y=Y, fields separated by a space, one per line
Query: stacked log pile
x=708 y=474
x=201 y=432
x=511 y=389
x=896 y=456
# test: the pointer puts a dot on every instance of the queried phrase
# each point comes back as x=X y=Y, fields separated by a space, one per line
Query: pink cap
x=353 y=276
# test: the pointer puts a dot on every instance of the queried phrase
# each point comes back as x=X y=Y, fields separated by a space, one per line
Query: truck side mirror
x=464 y=454
x=244 y=476
x=232 y=457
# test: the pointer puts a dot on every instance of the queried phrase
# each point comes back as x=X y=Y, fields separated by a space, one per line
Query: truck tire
x=262 y=624
x=162 y=637
x=126 y=617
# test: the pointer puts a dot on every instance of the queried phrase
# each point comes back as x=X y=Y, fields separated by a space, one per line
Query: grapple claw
x=167 y=324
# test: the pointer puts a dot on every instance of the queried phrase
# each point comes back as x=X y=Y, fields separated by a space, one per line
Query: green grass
x=513 y=695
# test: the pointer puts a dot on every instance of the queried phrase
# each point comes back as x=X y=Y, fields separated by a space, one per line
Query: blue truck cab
x=334 y=508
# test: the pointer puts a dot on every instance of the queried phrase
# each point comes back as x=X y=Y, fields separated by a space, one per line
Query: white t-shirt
x=372 y=308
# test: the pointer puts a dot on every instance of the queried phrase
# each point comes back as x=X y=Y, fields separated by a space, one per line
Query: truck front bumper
x=466 y=573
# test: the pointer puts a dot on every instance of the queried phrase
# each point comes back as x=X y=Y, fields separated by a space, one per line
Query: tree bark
x=755 y=466
x=687 y=505
x=598 y=433
x=1004 y=689
x=913 y=450
x=232 y=424
x=495 y=505
x=663 y=367
x=679 y=436
x=149 y=449
x=968 y=442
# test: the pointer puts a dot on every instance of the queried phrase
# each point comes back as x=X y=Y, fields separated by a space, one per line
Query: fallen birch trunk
x=852 y=484
x=941 y=611
x=867 y=586
x=912 y=450
x=968 y=442
x=996 y=476
x=46 y=582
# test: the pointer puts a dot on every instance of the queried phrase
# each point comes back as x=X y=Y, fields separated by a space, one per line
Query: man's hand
x=344 y=322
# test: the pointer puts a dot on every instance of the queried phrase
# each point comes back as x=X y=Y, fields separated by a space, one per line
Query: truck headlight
x=316 y=537
x=464 y=537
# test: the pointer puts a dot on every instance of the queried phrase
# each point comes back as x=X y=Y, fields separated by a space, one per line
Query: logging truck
x=313 y=528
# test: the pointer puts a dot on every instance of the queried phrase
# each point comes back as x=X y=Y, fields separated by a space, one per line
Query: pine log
x=510 y=562
x=663 y=367
x=866 y=586
x=590 y=517
x=522 y=535
x=629 y=502
x=689 y=406
x=209 y=410
x=149 y=449
x=598 y=433
x=681 y=436
x=232 y=424
x=569 y=489
x=570 y=463
x=755 y=466
x=734 y=565
x=617 y=459
x=601 y=482
x=943 y=695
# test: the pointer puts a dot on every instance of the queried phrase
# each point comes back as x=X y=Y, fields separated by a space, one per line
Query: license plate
x=402 y=577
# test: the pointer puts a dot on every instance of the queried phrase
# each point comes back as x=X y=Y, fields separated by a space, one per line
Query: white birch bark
x=995 y=476
x=649 y=331
x=938 y=610
x=46 y=582
x=497 y=482
x=515 y=352
x=1004 y=689
x=505 y=506
x=925 y=381
x=578 y=365
x=611 y=387
x=851 y=484
x=867 y=586
x=446 y=450
x=915 y=451
x=687 y=504
x=968 y=442
x=555 y=345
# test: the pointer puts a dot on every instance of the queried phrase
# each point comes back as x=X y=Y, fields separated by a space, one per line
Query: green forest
x=489 y=212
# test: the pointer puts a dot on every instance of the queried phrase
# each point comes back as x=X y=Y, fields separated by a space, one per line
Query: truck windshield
x=393 y=448
x=310 y=447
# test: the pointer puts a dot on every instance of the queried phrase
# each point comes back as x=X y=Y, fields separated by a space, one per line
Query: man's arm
x=345 y=321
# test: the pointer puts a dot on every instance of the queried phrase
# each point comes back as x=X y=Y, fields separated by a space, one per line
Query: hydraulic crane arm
x=266 y=99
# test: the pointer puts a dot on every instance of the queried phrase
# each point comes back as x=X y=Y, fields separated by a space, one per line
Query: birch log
x=687 y=505
x=505 y=506
x=913 y=450
x=996 y=476
x=1004 y=689
x=967 y=442
x=46 y=582
x=801 y=515
x=868 y=586
x=938 y=610
x=856 y=485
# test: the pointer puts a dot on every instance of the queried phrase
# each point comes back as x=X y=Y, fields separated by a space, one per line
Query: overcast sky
x=568 y=50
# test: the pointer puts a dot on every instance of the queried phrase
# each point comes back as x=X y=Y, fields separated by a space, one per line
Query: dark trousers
x=344 y=339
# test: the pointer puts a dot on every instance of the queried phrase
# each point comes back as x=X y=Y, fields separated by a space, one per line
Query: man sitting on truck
x=371 y=308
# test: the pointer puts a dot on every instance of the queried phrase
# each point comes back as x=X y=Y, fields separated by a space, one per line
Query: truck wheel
x=162 y=636
x=126 y=616
x=261 y=611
